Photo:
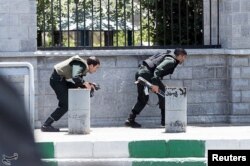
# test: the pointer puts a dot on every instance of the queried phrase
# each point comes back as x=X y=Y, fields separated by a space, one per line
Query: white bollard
x=175 y=110
x=79 y=111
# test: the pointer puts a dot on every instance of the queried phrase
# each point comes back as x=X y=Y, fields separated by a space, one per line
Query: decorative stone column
x=79 y=111
x=176 y=110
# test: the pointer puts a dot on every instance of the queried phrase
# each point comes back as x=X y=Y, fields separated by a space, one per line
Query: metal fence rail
x=117 y=24
x=27 y=70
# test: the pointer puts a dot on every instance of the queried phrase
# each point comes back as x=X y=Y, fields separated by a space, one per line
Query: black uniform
x=154 y=76
x=60 y=85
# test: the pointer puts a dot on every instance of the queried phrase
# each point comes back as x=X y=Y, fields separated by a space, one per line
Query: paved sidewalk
x=129 y=134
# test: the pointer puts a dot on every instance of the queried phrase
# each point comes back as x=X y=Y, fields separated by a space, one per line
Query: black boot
x=47 y=126
x=130 y=122
x=163 y=117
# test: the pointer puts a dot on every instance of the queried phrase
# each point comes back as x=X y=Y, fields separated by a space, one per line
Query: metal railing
x=27 y=70
x=114 y=24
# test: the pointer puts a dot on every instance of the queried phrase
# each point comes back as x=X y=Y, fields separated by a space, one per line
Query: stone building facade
x=218 y=80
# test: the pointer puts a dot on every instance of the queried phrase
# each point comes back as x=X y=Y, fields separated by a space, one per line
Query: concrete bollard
x=175 y=110
x=79 y=111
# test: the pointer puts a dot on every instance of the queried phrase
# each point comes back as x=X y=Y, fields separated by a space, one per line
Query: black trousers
x=142 y=99
x=60 y=86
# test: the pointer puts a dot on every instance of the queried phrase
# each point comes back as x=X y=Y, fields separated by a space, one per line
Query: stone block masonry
x=217 y=86
x=239 y=86
x=217 y=80
x=118 y=93
x=234 y=27
x=18 y=26
x=204 y=76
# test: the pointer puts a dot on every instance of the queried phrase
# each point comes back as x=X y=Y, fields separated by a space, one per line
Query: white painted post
x=79 y=111
x=176 y=110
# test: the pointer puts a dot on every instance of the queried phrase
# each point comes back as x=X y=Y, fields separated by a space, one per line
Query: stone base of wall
x=155 y=121
x=238 y=119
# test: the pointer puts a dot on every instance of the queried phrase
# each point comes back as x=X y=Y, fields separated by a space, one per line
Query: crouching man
x=153 y=70
x=68 y=74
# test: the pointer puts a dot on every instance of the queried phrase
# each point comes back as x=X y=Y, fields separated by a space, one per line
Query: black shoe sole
x=49 y=130
x=127 y=124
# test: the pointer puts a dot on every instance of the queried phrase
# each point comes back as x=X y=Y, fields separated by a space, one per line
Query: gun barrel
x=149 y=85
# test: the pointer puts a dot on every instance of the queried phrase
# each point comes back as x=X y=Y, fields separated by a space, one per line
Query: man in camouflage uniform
x=154 y=74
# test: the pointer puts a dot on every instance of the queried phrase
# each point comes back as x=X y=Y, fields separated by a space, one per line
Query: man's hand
x=155 y=88
x=92 y=86
x=87 y=85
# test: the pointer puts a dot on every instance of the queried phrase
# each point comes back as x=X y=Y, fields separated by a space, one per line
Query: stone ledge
x=125 y=52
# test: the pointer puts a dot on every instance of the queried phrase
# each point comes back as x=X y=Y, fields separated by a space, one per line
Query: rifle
x=144 y=82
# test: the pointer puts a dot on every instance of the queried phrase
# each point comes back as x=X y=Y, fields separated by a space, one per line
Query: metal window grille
x=117 y=24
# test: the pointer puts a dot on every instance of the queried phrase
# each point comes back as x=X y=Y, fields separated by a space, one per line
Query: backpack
x=153 y=61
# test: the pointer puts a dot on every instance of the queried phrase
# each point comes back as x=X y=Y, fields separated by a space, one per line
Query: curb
x=137 y=149
x=167 y=149
x=134 y=153
x=123 y=149
x=126 y=162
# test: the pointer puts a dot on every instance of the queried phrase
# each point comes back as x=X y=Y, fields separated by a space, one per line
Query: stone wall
x=205 y=76
x=18 y=25
x=235 y=23
x=239 y=97
x=217 y=82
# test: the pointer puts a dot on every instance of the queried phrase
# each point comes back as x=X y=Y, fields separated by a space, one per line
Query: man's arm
x=161 y=69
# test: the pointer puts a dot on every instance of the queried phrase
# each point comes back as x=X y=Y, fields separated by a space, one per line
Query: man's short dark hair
x=93 y=61
x=179 y=51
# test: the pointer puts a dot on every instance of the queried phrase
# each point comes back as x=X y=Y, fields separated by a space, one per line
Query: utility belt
x=57 y=77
